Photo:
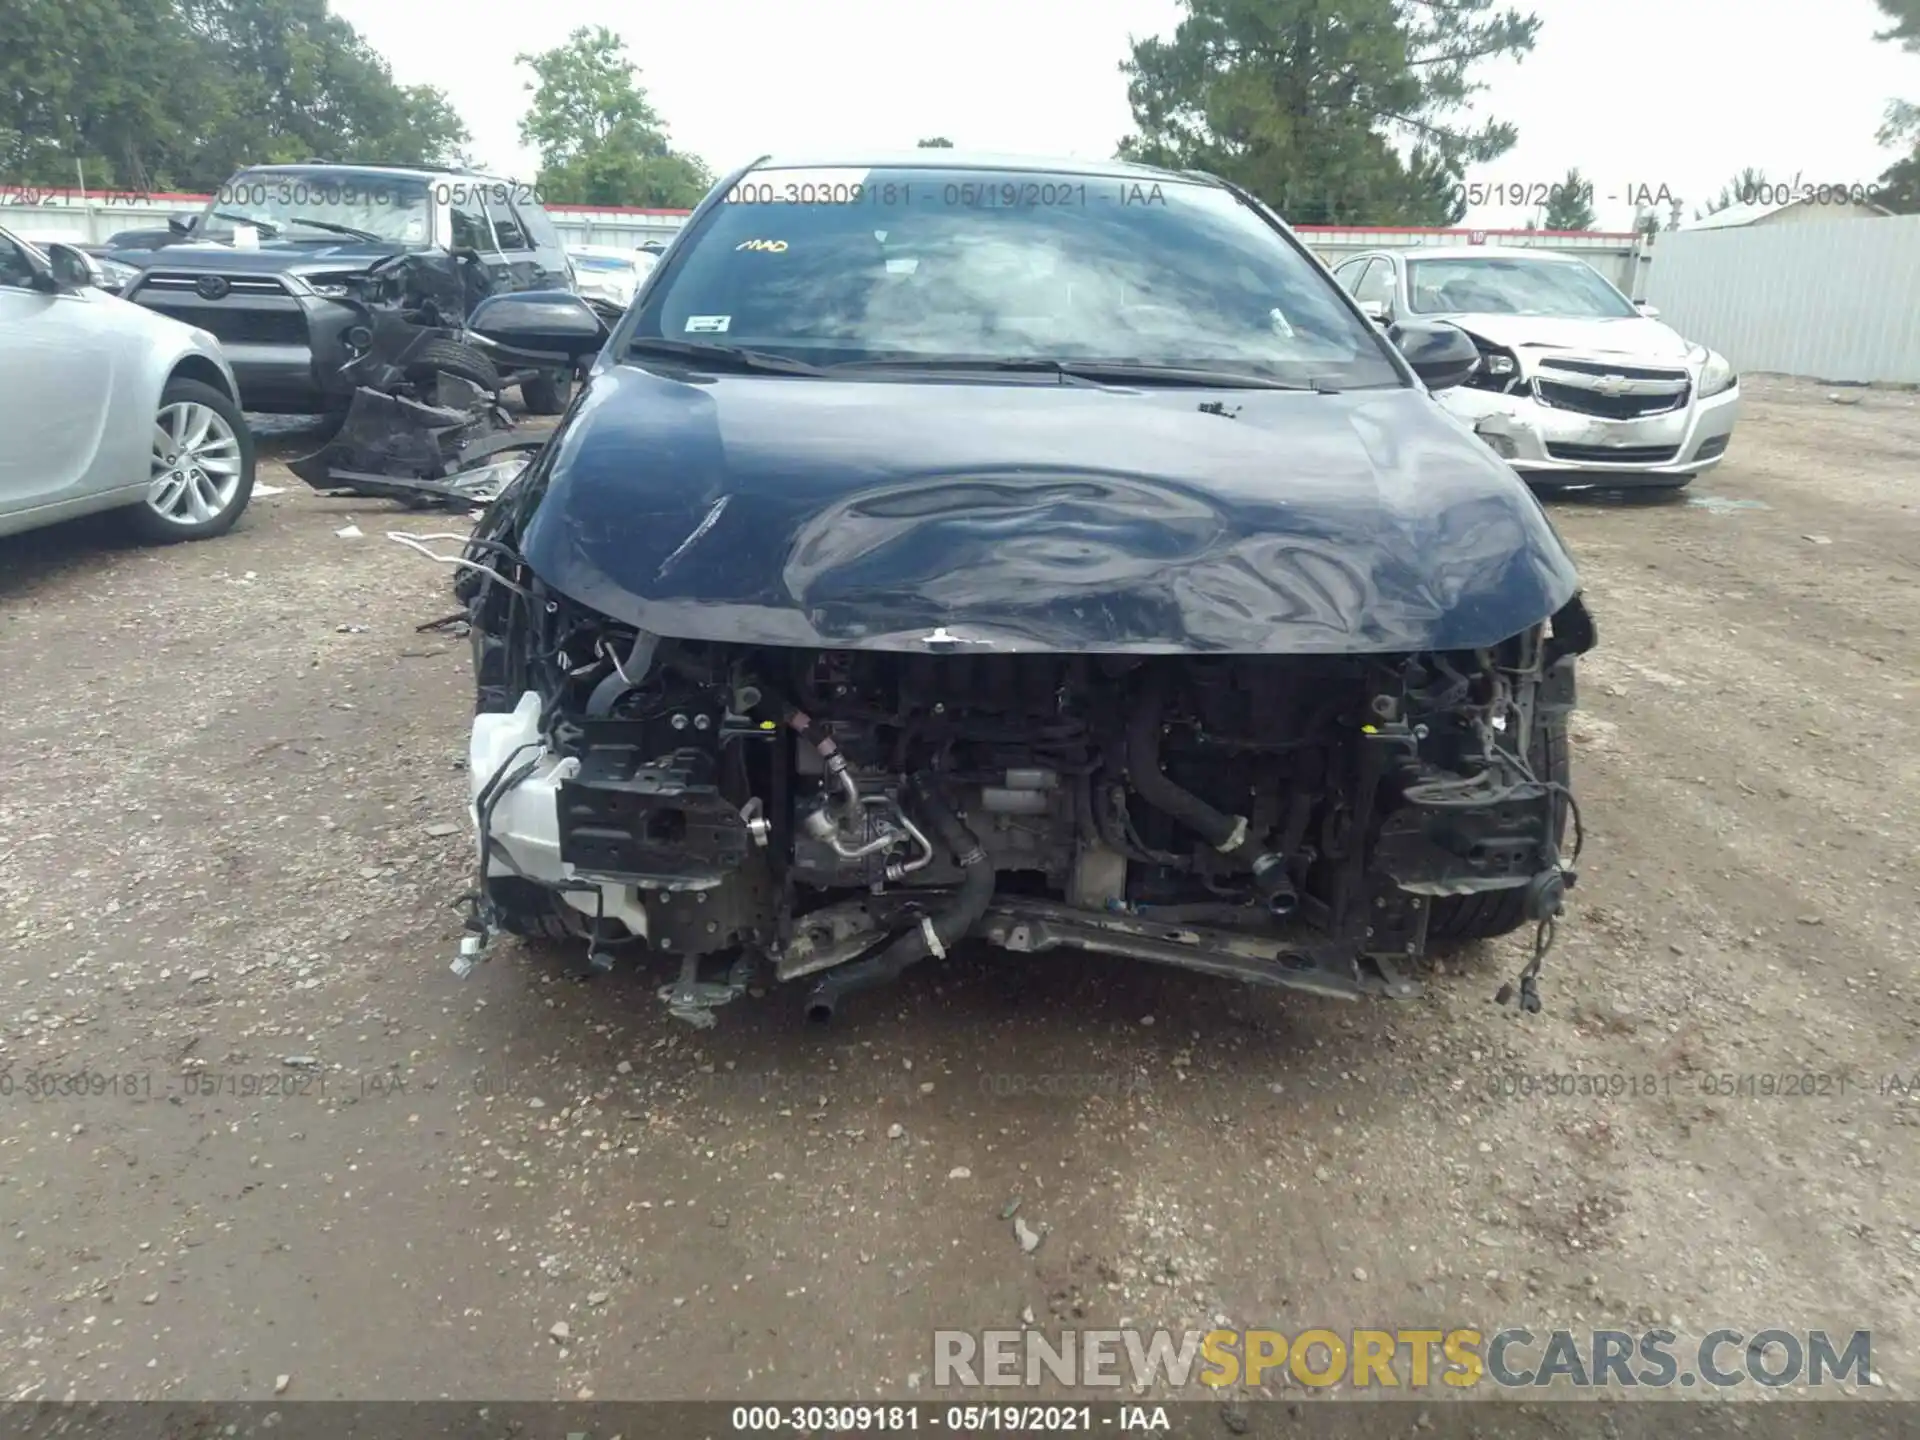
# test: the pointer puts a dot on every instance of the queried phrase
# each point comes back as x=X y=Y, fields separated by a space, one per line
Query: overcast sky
x=1674 y=93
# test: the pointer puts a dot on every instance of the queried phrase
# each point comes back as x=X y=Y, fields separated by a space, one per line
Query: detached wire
x=414 y=542
x=607 y=654
x=1556 y=788
x=1573 y=810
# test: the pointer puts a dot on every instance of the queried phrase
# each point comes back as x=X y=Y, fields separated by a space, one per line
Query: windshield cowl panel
x=865 y=267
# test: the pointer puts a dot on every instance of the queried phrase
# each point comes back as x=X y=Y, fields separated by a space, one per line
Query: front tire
x=462 y=361
x=202 y=466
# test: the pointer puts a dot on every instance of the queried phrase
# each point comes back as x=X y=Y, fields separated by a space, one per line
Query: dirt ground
x=231 y=836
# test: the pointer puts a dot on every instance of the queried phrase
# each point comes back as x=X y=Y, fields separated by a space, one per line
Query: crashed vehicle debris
x=272 y=265
x=426 y=425
x=1060 y=574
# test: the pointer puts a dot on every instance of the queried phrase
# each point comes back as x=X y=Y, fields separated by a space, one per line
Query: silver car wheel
x=196 y=464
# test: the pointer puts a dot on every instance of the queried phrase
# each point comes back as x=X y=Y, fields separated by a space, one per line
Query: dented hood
x=1627 y=338
x=979 y=517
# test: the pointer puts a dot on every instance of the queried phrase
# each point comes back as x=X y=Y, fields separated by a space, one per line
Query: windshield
x=385 y=206
x=1498 y=286
x=849 y=265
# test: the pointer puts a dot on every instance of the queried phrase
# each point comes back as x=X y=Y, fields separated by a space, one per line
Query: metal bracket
x=694 y=1000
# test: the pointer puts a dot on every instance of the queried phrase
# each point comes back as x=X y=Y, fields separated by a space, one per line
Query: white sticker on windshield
x=903 y=265
x=246 y=237
x=708 y=324
x=881 y=236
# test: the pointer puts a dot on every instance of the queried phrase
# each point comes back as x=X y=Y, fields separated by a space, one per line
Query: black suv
x=265 y=266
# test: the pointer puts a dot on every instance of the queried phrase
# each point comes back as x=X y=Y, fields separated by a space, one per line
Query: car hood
x=1628 y=337
x=875 y=514
x=272 y=258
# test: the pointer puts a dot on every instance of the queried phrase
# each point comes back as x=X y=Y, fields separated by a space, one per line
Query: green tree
x=1332 y=111
x=181 y=93
x=938 y=142
x=1647 y=222
x=1570 y=206
x=600 y=140
x=90 y=81
x=302 y=84
x=1905 y=15
x=1902 y=124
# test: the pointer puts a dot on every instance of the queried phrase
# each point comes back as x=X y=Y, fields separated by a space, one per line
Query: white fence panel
x=1835 y=300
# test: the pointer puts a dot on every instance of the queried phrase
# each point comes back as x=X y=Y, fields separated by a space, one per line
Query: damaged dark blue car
x=946 y=548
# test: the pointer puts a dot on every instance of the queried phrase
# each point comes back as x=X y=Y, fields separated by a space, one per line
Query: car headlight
x=113 y=275
x=1499 y=369
x=331 y=287
x=1716 y=375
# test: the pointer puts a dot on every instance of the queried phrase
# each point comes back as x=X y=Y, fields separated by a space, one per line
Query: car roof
x=942 y=158
x=389 y=172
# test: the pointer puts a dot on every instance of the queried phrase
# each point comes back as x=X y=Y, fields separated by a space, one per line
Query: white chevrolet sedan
x=108 y=406
x=1577 y=385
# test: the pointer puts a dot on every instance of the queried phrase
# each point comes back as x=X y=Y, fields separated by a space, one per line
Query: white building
x=1788 y=212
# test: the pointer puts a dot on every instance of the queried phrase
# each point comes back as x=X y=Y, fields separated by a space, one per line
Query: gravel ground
x=231 y=829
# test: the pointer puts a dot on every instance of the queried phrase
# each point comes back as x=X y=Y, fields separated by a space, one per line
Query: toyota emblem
x=211 y=287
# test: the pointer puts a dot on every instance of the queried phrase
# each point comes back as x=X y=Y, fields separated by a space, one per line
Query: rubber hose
x=950 y=925
x=1227 y=833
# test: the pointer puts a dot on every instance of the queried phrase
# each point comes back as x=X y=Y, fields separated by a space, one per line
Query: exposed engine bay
x=840 y=816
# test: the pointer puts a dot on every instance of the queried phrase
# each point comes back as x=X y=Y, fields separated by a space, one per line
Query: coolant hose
x=1226 y=833
x=939 y=932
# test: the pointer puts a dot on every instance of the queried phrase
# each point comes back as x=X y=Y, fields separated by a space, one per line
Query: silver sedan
x=108 y=406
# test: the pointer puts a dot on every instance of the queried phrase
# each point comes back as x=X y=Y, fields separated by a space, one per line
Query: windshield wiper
x=1089 y=371
x=1011 y=365
x=721 y=356
x=336 y=229
x=269 y=227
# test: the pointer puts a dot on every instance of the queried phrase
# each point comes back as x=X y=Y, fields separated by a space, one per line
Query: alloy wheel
x=196 y=464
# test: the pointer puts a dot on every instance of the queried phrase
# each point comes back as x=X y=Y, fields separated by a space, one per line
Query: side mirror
x=1377 y=311
x=544 y=324
x=1652 y=312
x=72 y=268
x=1443 y=356
x=181 y=224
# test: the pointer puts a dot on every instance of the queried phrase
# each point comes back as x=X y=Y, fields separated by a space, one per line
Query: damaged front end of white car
x=1565 y=411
